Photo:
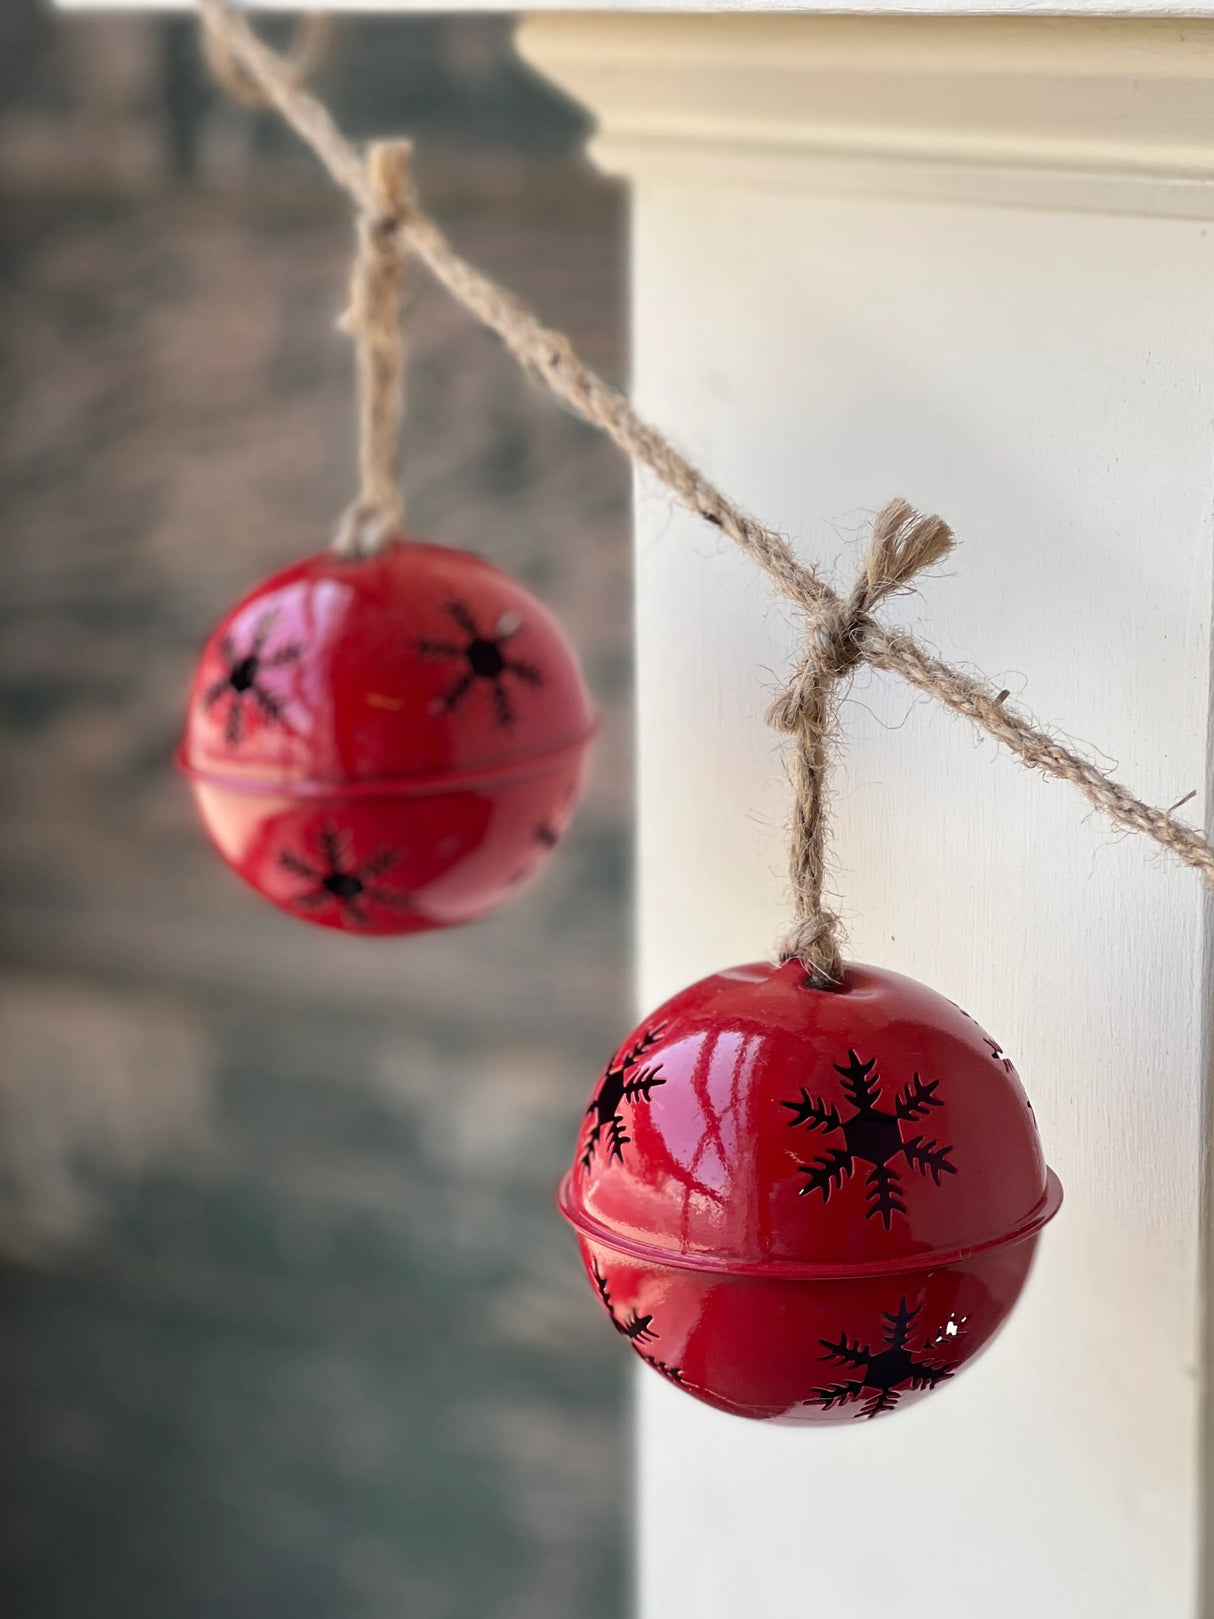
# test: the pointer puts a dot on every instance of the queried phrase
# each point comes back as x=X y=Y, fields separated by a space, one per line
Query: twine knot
x=814 y=942
x=903 y=543
x=834 y=646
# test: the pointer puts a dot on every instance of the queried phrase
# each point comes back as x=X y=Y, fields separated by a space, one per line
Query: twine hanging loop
x=840 y=637
x=373 y=319
x=382 y=187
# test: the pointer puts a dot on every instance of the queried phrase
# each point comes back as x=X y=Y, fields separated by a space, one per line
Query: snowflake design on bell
x=545 y=837
x=872 y=1136
x=622 y=1081
x=885 y=1373
x=485 y=659
x=638 y=1329
x=243 y=683
x=998 y=1053
x=339 y=883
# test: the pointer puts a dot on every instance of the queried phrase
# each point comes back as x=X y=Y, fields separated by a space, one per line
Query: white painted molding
x=820 y=333
x=1114 y=115
x=855 y=8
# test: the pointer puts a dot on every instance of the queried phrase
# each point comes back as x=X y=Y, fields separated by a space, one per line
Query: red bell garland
x=809 y=1192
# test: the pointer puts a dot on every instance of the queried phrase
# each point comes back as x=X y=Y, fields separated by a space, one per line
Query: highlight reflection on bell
x=808 y=1205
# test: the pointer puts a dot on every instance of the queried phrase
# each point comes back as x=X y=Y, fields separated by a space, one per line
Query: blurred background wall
x=288 y=1325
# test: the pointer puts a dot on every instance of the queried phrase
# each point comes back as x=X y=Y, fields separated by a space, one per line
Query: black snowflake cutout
x=622 y=1081
x=545 y=837
x=997 y=1053
x=484 y=658
x=872 y=1136
x=337 y=882
x=638 y=1329
x=243 y=684
x=883 y=1374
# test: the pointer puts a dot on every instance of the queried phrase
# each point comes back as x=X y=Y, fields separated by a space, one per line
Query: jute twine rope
x=842 y=631
x=308 y=50
x=903 y=544
x=374 y=321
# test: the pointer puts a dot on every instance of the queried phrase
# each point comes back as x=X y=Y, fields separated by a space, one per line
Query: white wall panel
x=1043 y=379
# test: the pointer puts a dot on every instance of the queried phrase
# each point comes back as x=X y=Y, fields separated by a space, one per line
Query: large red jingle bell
x=808 y=1205
x=387 y=744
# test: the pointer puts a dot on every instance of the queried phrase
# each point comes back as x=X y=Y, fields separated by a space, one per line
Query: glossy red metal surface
x=806 y=1205
x=387 y=744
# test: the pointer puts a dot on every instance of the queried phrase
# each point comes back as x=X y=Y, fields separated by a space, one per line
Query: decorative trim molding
x=1113 y=115
x=859 y=8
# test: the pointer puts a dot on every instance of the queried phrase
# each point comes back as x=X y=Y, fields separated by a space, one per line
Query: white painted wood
x=1055 y=111
x=1044 y=376
x=960 y=8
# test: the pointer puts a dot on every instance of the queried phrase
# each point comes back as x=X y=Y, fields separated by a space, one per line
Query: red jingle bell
x=808 y=1205
x=389 y=743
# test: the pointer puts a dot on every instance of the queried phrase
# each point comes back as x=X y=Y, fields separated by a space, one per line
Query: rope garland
x=842 y=633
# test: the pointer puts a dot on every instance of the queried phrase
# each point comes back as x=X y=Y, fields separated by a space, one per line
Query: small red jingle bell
x=387 y=743
x=808 y=1205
